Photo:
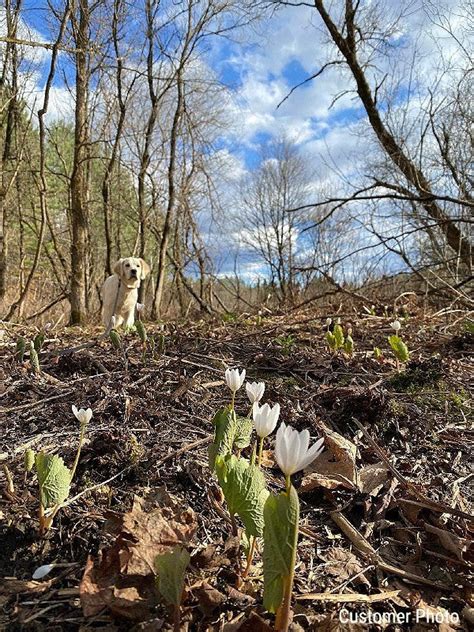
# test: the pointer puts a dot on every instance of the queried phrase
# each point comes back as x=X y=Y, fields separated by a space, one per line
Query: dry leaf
x=332 y=624
x=17 y=586
x=335 y=467
x=344 y=565
x=209 y=598
x=122 y=577
x=451 y=541
x=372 y=478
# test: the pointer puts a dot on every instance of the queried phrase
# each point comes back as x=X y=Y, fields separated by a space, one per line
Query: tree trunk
x=165 y=235
x=79 y=173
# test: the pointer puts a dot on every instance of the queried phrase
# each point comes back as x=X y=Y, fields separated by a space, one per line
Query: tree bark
x=79 y=194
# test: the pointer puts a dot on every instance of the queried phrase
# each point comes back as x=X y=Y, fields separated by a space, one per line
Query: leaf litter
x=385 y=522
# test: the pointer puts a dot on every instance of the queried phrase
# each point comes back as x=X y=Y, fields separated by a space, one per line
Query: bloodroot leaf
x=399 y=348
x=243 y=432
x=171 y=569
x=244 y=490
x=225 y=427
x=280 y=537
x=54 y=479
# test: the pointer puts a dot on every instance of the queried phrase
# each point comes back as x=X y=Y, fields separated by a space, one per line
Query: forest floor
x=384 y=514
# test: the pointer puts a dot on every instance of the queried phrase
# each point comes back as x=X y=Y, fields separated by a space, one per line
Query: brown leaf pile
x=122 y=578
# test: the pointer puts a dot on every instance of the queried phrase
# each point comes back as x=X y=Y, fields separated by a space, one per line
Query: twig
x=425 y=501
x=349 y=598
x=175 y=453
x=364 y=547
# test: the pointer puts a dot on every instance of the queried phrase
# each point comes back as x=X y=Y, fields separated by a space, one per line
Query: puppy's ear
x=145 y=269
x=118 y=268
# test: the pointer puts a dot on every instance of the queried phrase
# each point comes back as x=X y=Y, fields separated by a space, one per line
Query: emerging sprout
x=29 y=459
x=34 y=358
x=115 y=338
x=20 y=349
x=141 y=331
x=349 y=343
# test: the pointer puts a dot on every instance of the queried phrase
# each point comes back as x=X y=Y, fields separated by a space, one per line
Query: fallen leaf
x=372 y=478
x=17 y=586
x=122 y=578
x=344 y=565
x=255 y=623
x=333 y=468
x=450 y=541
x=208 y=597
x=332 y=624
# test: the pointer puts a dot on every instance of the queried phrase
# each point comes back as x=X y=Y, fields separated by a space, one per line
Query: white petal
x=42 y=571
x=313 y=453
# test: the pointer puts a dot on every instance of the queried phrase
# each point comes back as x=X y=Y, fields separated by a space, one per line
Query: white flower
x=234 y=379
x=113 y=320
x=265 y=418
x=140 y=307
x=82 y=415
x=292 y=450
x=396 y=325
x=328 y=321
x=338 y=321
x=255 y=391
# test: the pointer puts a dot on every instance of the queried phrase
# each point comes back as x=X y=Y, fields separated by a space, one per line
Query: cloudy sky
x=260 y=66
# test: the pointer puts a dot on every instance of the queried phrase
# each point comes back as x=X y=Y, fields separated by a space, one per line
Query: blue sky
x=259 y=67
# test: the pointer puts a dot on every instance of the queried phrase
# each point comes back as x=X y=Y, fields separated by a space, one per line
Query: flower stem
x=79 y=447
x=260 y=451
x=282 y=620
x=232 y=401
x=250 y=557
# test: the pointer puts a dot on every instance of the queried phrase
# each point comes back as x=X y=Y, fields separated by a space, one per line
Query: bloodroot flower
x=292 y=451
x=82 y=415
x=255 y=391
x=396 y=325
x=234 y=379
x=265 y=418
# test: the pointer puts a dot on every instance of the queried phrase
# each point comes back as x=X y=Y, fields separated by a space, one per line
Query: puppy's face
x=131 y=271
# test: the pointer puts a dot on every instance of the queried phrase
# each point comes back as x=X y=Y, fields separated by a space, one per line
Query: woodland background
x=141 y=163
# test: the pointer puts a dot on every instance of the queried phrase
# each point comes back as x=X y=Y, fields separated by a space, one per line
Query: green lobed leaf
x=38 y=342
x=171 y=569
x=225 y=428
x=331 y=340
x=399 y=348
x=280 y=537
x=338 y=335
x=54 y=479
x=245 y=491
x=243 y=432
x=141 y=331
x=29 y=459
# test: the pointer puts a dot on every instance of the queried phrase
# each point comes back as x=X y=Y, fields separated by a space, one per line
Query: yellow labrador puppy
x=120 y=291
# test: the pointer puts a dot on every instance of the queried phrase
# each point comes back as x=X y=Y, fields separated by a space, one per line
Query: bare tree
x=266 y=225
